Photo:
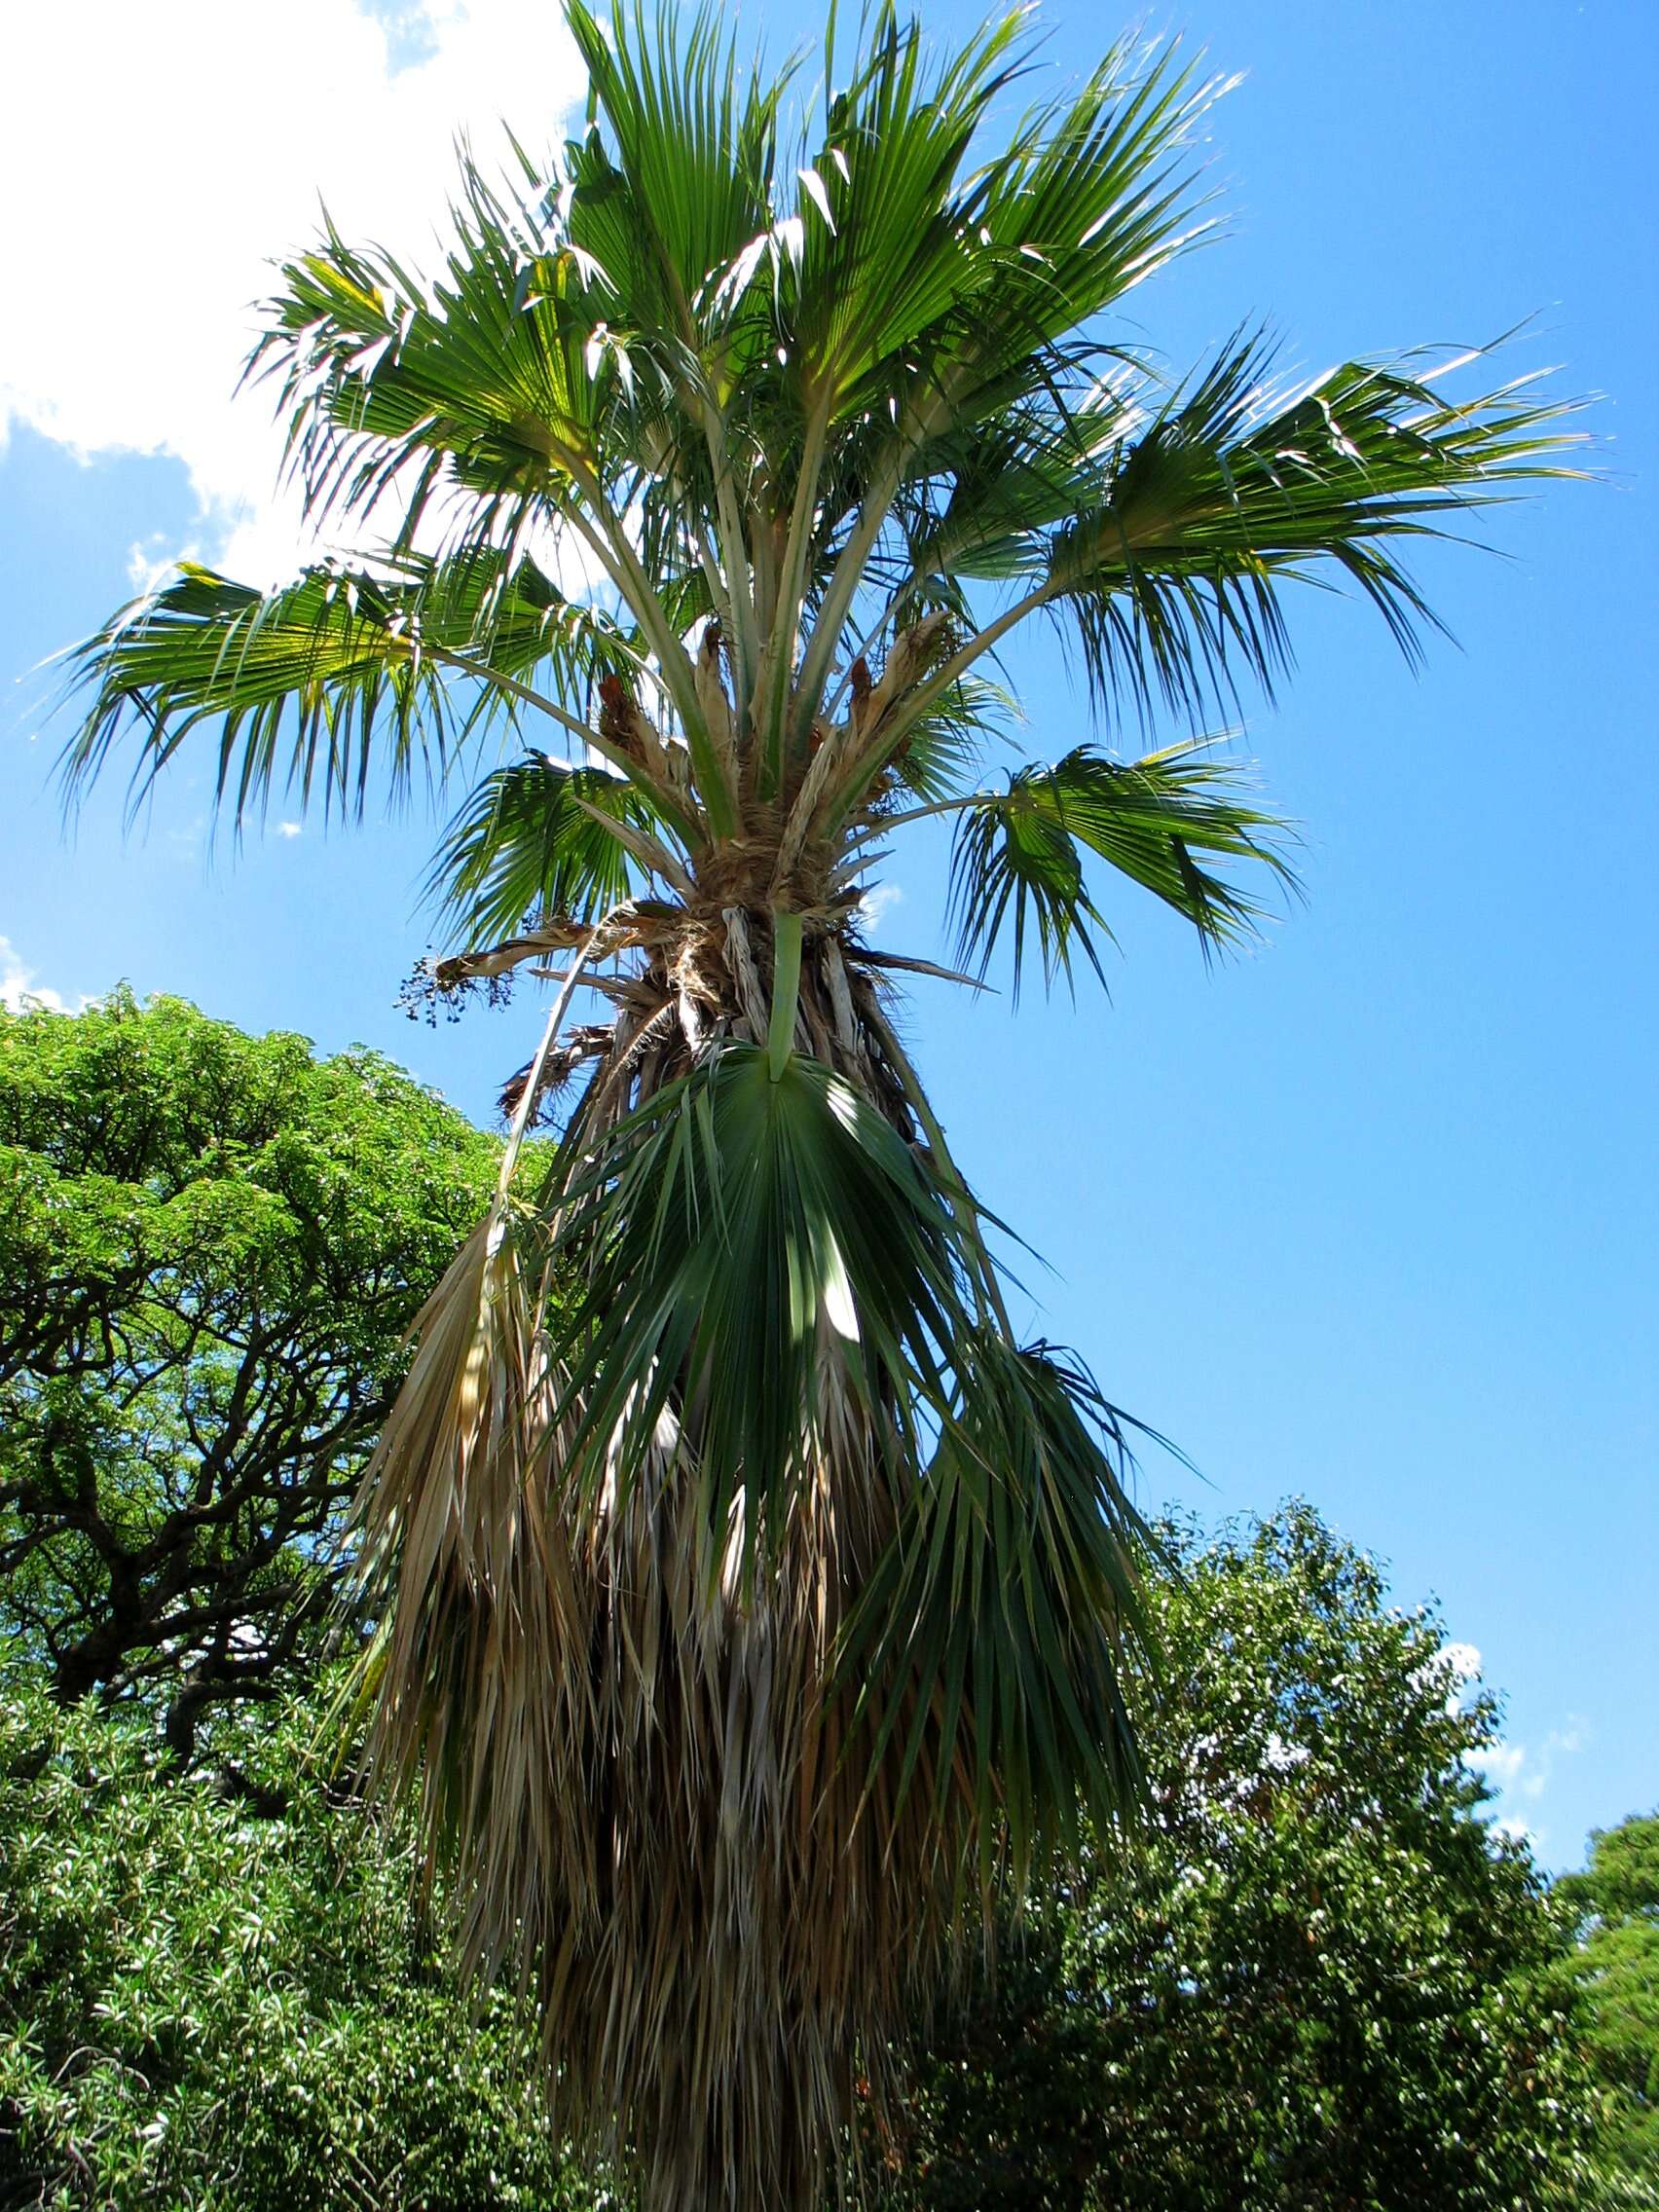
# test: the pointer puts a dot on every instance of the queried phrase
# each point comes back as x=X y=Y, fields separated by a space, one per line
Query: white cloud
x=877 y=904
x=18 y=987
x=162 y=156
x=149 y=558
x=1501 y=1763
x=287 y=828
x=1454 y=1668
x=1518 y=1775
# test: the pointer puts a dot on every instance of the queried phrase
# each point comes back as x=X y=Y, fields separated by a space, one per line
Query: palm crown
x=749 y=1592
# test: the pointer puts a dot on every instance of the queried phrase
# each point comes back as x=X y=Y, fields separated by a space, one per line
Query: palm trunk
x=661 y=1788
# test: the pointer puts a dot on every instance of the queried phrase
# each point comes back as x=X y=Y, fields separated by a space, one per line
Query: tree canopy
x=1615 y=1905
x=1315 y=1979
x=211 y=1247
x=228 y=2003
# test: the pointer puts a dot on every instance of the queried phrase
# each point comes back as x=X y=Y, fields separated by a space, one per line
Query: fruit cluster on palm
x=750 y=1595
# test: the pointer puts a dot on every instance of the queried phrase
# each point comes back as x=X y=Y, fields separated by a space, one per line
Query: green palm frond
x=948 y=746
x=345 y=673
x=1186 y=522
x=1228 y=493
x=766 y=396
x=484 y=378
x=1156 y=819
x=535 y=838
x=882 y=251
x=995 y=493
x=766 y=1256
x=691 y=185
x=985 y=1642
x=1015 y=859
x=1097 y=189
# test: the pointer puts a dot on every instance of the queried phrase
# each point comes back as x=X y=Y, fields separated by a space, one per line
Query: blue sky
x=1369 y=1215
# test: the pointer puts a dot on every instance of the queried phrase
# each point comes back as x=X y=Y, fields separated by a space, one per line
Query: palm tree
x=749 y=1593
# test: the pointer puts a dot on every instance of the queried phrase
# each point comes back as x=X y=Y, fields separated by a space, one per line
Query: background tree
x=215 y=2012
x=754 y=1612
x=212 y=1246
x=1316 y=1980
x=1615 y=1905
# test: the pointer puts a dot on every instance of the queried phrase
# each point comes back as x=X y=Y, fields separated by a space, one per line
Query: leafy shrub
x=211 y=1247
x=1614 y=1907
x=216 y=1996
x=1315 y=1980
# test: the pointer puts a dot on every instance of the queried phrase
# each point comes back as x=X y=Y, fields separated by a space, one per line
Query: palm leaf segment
x=752 y=1605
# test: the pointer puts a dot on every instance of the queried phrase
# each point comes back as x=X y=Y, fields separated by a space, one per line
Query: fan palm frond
x=537 y=838
x=766 y=1254
x=1156 y=819
x=985 y=1642
x=1229 y=491
x=345 y=673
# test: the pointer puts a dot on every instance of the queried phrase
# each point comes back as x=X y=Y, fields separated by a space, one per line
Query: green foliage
x=824 y=408
x=226 y=2003
x=212 y=1246
x=822 y=380
x=537 y=837
x=1314 y=1980
x=1151 y=819
x=1615 y=1903
x=369 y=657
